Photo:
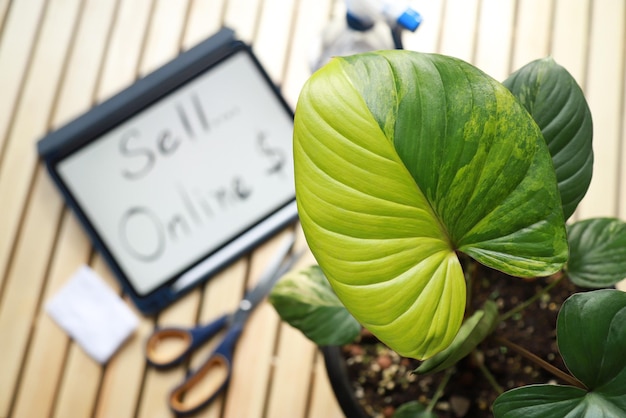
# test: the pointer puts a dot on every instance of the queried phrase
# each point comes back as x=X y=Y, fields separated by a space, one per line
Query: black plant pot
x=340 y=382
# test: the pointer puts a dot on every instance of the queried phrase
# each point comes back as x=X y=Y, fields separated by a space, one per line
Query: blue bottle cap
x=409 y=19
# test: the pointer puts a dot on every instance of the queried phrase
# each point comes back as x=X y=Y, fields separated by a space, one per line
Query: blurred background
x=58 y=58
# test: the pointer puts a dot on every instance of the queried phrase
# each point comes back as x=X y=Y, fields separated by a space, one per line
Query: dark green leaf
x=558 y=105
x=597 y=252
x=473 y=331
x=591 y=335
x=541 y=401
x=305 y=300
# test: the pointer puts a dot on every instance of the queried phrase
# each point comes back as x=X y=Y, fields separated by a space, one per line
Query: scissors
x=167 y=347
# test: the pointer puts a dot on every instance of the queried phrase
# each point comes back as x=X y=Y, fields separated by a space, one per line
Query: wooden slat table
x=60 y=57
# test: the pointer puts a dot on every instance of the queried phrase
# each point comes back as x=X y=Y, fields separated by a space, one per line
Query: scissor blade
x=278 y=266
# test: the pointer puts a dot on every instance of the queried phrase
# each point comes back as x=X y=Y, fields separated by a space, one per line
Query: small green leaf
x=556 y=102
x=597 y=252
x=473 y=331
x=591 y=335
x=305 y=300
x=413 y=409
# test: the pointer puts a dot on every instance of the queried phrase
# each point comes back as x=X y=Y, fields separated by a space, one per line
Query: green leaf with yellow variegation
x=401 y=160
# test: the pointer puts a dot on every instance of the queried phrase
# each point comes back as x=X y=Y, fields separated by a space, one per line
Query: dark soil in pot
x=381 y=380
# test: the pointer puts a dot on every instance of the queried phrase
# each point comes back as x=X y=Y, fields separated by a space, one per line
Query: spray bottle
x=369 y=25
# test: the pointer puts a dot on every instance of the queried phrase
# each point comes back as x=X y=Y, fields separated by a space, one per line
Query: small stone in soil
x=459 y=405
x=384 y=361
x=388 y=411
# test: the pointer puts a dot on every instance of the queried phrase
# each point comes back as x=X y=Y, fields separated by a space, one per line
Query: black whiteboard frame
x=145 y=92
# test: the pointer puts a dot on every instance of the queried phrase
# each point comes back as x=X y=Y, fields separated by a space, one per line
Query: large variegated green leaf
x=402 y=159
x=558 y=105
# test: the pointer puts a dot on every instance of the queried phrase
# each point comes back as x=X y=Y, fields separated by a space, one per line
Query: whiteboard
x=177 y=181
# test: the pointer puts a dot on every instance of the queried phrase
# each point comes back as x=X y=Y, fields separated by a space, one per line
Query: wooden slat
x=291 y=379
x=4 y=7
x=81 y=376
x=205 y=18
x=289 y=388
x=459 y=29
x=165 y=34
x=495 y=36
x=532 y=31
x=323 y=402
x=242 y=16
x=570 y=39
x=16 y=43
x=621 y=196
x=121 y=386
x=604 y=88
x=309 y=21
x=79 y=82
x=272 y=40
x=121 y=66
x=25 y=278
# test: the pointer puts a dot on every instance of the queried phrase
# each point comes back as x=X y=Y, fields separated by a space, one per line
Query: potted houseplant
x=416 y=171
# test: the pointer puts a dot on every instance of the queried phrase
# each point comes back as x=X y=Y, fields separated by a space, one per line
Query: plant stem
x=439 y=392
x=471 y=279
x=468 y=286
x=479 y=359
x=540 y=362
x=535 y=297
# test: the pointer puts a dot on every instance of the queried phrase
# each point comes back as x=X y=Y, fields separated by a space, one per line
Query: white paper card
x=92 y=314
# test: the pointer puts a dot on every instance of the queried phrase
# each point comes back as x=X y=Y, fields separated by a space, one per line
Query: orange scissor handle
x=200 y=388
x=168 y=347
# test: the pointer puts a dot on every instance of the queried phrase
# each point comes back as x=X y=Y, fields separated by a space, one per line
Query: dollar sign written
x=275 y=155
